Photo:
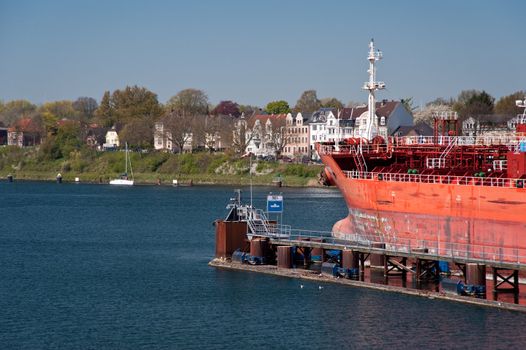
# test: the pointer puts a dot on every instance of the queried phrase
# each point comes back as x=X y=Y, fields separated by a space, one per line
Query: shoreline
x=315 y=276
x=183 y=182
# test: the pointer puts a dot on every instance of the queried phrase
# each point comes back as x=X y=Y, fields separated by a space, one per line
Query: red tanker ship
x=455 y=196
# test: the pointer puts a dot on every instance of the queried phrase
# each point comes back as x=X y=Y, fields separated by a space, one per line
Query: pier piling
x=377 y=260
x=504 y=277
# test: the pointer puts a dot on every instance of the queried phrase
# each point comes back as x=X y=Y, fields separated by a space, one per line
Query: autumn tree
x=308 y=102
x=331 y=102
x=135 y=108
x=137 y=133
x=52 y=112
x=506 y=104
x=227 y=108
x=85 y=107
x=65 y=140
x=135 y=103
x=104 y=112
x=473 y=103
x=13 y=110
x=277 y=107
x=188 y=102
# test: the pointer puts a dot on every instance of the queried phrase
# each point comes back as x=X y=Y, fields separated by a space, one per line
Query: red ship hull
x=463 y=221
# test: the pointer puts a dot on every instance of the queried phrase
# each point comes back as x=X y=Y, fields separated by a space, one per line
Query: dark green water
x=99 y=267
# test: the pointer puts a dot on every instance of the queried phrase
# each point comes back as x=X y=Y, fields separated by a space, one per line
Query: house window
x=382 y=121
x=314 y=127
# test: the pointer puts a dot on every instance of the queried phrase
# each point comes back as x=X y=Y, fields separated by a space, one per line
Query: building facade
x=297 y=133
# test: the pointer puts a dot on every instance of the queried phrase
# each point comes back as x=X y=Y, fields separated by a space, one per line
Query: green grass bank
x=150 y=168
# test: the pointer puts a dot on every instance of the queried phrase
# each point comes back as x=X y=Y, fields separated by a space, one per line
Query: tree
x=331 y=102
x=207 y=130
x=426 y=114
x=441 y=101
x=473 y=103
x=227 y=108
x=506 y=104
x=137 y=134
x=188 y=102
x=178 y=129
x=308 y=102
x=52 y=112
x=249 y=110
x=408 y=103
x=277 y=107
x=60 y=145
x=134 y=103
x=85 y=107
x=354 y=104
x=241 y=136
x=279 y=137
x=16 y=109
x=131 y=103
x=104 y=112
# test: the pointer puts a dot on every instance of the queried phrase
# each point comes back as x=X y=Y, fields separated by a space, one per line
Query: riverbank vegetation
x=206 y=168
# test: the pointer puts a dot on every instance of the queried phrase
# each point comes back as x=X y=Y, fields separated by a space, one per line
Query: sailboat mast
x=126 y=160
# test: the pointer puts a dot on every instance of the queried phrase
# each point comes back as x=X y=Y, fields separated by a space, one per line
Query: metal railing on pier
x=498 y=256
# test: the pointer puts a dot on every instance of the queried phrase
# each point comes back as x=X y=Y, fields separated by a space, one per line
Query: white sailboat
x=124 y=180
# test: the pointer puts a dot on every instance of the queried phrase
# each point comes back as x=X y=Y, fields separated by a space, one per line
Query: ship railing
x=436 y=179
x=510 y=141
x=486 y=140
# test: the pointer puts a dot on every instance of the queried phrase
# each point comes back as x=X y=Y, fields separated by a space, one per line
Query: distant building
x=162 y=140
x=96 y=136
x=112 y=139
x=421 y=129
x=390 y=115
x=489 y=124
x=263 y=133
x=297 y=134
x=24 y=133
x=332 y=125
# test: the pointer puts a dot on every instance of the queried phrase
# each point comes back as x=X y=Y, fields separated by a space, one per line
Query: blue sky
x=254 y=52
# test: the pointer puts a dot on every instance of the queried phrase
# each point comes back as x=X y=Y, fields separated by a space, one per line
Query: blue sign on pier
x=274 y=203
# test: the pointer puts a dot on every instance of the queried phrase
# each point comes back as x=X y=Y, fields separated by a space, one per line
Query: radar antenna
x=372 y=86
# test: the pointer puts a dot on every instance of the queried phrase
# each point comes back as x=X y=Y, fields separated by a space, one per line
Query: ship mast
x=372 y=85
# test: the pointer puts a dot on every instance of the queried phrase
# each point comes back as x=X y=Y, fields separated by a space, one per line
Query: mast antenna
x=372 y=86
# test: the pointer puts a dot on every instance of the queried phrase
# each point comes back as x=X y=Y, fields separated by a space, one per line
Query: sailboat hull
x=121 y=182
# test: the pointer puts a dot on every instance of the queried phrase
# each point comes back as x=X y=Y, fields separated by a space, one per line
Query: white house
x=326 y=125
x=390 y=115
x=262 y=133
x=112 y=139
x=330 y=124
x=162 y=139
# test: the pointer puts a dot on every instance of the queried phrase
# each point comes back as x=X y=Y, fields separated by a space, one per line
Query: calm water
x=87 y=266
